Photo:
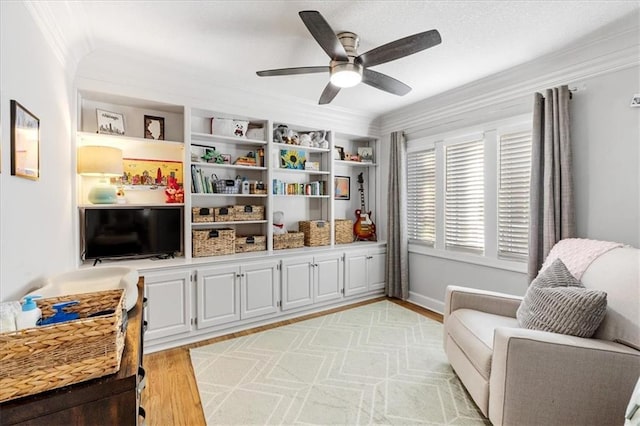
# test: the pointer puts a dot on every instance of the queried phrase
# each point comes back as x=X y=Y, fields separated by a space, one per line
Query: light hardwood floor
x=171 y=396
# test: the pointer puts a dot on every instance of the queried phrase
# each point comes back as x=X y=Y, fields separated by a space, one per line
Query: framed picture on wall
x=342 y=188
x=25 y=142
x=154 y=127
x=110 y=123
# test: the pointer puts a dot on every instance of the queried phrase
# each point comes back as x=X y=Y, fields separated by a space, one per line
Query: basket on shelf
x=288 y=240
x=224 y=214
x=344 y=231
x=202 y=215
x=213 y=242
x=246 y=244
x=257 y=188
x=47 y=357
x=248 y=212
x=227 y=186
x=316 y=232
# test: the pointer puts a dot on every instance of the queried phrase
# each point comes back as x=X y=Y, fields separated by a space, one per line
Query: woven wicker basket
x=213 y=242
x=251 y=243
x=42 y=358
x=344 y=231
x=202 y=215
x=316 y=232
x=248 y=212
x=288 y=240
x=223 y=214
x=227 y=186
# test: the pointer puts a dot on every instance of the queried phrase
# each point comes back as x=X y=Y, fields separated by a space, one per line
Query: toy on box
x=278 y=223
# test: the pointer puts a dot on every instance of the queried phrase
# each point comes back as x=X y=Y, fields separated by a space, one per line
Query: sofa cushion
x=557 y=302
x=472 y=331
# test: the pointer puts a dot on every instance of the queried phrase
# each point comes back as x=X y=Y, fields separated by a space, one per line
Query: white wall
x=605 y=135
x=36 y=225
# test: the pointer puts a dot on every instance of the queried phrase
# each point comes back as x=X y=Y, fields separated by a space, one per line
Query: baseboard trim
x=426 y=302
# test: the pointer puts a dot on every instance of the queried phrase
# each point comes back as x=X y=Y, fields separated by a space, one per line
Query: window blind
x=513 y=195
x=464 y=196
x=421 y=196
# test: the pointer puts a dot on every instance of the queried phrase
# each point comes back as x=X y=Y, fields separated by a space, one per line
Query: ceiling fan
x=347 y=68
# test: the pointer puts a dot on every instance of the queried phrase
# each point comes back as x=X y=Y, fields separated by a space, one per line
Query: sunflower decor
x=292 y=159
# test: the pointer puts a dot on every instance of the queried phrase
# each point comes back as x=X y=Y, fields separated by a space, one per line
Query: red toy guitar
x=364 y=229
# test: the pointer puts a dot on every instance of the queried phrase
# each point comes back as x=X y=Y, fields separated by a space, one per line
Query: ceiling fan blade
x=329 y=92
x=400 y=48
x=292 y=71
x=384 y=82
x=324 y=35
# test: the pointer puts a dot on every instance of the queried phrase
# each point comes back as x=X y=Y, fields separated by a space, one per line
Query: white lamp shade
x=100 y=161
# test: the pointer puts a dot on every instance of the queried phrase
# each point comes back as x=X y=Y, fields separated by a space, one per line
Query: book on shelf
x=299 y=188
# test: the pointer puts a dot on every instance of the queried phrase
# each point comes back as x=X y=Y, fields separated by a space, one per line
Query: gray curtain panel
x=397 y=270
x=552 y=210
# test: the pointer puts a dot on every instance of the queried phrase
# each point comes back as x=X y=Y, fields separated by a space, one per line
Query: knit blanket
x=578 y=253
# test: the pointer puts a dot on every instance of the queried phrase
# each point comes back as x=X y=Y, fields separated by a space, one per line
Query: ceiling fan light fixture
x=346 y=74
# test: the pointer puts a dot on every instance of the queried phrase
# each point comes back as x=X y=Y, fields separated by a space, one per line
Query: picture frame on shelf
x=150 y=172
x=338 y=153
x=342 y=188
x=292 y=159
x=366 y=154
x=110 y=123
x=154 y=127
x=25 y=142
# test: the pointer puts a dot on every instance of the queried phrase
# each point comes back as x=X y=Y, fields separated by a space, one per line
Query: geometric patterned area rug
x=378 y=364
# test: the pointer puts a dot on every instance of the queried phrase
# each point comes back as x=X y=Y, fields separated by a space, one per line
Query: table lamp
x=103 y=162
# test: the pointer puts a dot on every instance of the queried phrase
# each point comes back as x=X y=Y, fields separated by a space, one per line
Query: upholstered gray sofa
x=519 y=376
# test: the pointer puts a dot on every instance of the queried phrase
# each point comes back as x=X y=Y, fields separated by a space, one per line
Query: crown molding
x=58 y=28
x=606 y=50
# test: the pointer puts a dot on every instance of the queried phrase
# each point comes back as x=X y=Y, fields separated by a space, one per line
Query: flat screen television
x=131 y=232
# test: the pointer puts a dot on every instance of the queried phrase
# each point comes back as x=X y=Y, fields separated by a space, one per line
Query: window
x=513 y=195
x=421 y=190
x=464 y=196
x=468 y=193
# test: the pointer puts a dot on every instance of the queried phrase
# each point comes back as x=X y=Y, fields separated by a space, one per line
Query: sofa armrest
x=480 y=300
x=546 y=378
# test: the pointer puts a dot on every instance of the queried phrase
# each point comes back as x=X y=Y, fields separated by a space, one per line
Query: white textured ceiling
x=230 y=40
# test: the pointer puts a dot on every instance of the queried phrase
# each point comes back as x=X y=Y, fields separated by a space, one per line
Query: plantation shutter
x=421 y=196
x=513 y=195
x=464 y=196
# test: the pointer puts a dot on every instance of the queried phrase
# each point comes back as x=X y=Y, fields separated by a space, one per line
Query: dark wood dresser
x=112 y=399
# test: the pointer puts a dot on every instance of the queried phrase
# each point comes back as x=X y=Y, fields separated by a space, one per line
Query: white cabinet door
x=355 y=273
x=259 y=290
x=297 y=282
x=328 y=277
x=218 y=296
x=168 y=310
x=376 y=266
